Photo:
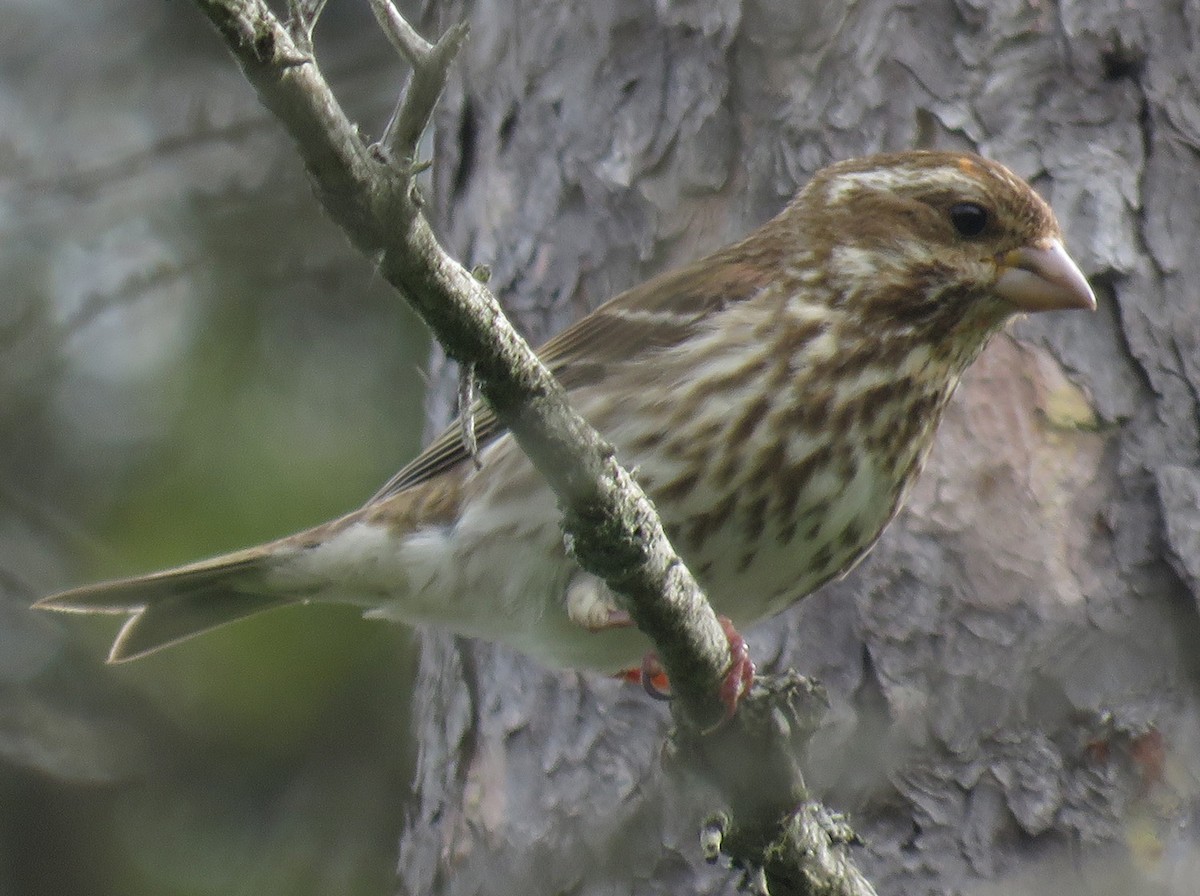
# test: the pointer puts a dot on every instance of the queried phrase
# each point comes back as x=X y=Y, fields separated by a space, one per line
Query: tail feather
x=176 y=604
x=178 y=617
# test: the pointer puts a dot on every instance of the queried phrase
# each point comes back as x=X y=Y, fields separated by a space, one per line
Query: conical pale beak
x=1042 y=277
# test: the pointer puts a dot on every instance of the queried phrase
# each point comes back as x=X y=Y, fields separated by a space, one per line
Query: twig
x=302 y=18
x=466 y=412
x=430 y=66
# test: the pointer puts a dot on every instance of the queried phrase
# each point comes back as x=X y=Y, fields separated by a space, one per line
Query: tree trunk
x=1014 y=699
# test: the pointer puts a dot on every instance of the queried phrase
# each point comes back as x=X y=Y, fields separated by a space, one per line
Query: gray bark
x=1014 y=692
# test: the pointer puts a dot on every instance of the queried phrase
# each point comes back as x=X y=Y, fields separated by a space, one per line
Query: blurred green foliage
x=192 y=359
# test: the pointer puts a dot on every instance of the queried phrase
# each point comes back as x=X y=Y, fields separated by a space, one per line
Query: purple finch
x=776 y=400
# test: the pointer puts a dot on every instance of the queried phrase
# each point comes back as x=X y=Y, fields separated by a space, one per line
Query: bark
x=1014 y=699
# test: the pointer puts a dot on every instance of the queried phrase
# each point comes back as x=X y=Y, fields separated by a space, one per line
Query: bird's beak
x=1042 y=277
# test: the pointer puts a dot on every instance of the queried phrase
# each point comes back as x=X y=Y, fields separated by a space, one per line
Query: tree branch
x=785 y=842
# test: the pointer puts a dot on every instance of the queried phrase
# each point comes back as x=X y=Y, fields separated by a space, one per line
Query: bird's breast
x=760 y=547
x=766 y=504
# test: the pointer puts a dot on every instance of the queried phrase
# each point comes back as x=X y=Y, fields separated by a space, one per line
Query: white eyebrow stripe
x=899 y=179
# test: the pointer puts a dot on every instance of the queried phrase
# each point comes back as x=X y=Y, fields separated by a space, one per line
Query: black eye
x=968 y=218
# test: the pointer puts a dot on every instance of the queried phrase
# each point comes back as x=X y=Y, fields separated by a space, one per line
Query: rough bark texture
x=1014 y=690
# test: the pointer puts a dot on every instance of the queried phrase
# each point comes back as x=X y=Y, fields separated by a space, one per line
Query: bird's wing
x=658 y=313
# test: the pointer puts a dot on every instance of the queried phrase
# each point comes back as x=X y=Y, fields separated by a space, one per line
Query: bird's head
x=937 y=244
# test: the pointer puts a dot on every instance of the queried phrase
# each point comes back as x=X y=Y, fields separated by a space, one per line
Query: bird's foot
x=734 y=686
x=740 y=674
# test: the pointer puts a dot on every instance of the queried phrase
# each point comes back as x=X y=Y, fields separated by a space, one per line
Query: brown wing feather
x=655 y=314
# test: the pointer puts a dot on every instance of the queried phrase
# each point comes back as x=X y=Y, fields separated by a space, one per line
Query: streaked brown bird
x=776 y=400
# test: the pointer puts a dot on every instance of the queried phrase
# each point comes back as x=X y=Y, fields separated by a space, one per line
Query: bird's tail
x=175 y=604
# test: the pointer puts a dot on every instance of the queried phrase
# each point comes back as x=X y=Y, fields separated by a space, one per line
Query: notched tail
x=172 y=606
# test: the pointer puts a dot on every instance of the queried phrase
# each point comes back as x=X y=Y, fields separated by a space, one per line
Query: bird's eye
x=968 y=218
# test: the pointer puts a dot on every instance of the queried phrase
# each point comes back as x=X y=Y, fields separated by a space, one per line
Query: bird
x=776 y=400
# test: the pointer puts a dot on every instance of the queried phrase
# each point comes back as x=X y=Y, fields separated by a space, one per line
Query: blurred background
x=192 y=359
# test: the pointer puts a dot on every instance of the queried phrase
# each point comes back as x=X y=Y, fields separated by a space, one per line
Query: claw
x=654 y=677
x=651 y=676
